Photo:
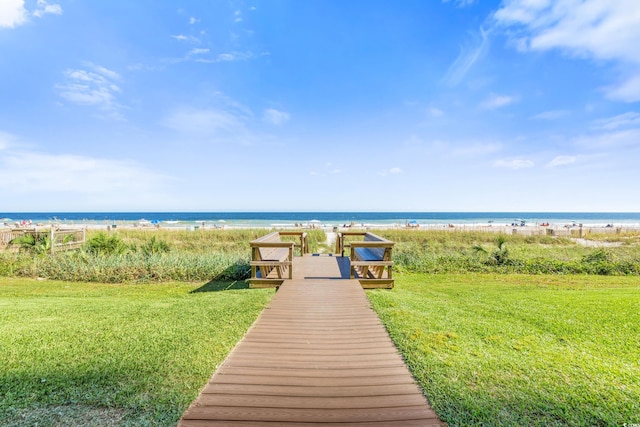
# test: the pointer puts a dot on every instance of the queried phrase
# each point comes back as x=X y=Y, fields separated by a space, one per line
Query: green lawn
x=487 y=349
x=102 y=355
x=520 y=350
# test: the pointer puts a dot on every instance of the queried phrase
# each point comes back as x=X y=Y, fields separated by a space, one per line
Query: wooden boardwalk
x=317 y=355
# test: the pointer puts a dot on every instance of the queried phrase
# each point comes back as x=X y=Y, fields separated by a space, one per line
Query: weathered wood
x=317 y=355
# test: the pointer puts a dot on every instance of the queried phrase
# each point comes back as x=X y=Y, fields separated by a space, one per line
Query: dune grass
x=134 y=256
x=90 y=354
x=505 y=350
x=437 y=251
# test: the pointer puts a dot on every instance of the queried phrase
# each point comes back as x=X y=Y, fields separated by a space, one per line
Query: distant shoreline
x=572 y=230
x=429 y=220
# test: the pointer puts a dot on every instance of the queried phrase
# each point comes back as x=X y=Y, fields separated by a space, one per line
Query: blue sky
x=458 y=105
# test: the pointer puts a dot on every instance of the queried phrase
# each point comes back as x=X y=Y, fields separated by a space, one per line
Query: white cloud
x=561 y=161
x=468 y=56
x=12 y=13
x=497 y=101
x=390 y=171
x=92 y=88
x=44 y=8
x=630 y=118
x=193 y=20
x=514 y=164
x=185 y=38
x=598 y=29
x=551 y=115
x=627 y=91
x=198 y=51
x=238 y=16
x=275 y=117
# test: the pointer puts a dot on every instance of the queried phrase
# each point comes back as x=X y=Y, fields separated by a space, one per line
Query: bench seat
x=369 y=259
x=272 y=258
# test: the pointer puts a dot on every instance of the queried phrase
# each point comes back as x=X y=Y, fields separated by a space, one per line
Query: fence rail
x=59 y=239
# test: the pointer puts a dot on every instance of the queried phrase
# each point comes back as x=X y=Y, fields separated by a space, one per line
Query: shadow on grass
x=221 y=285
x=233 y=277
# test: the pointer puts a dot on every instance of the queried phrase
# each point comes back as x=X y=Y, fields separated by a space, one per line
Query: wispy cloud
x=390 y=171
x=205 y=122
x=193 y=20
x=630 y=118
x=203 y=55
x=198 y=51
x=46 y=8
x=626 y=91
x=551 y=115
x=599 y=29
x=469 y=54
x=561 y=161
x=185 y=38
x=476 y=149
x=95 y=86
x=237 y=16
x=275 y=117
x=495 y=101
x=435 y=112
x=30 y=171
x=13 y=12
x=461 y=3
x=232 y=57
x=514 y=164
x=6 y=140
x=608 y=140
x=328 y=169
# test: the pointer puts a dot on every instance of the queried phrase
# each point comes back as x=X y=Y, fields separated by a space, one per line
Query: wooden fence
x=60 y=239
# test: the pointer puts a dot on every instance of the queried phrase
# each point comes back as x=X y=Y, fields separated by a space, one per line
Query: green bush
x=104 y=244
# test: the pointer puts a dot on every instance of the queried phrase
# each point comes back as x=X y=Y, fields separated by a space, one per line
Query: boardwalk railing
x=369 y=257
x=272 y=257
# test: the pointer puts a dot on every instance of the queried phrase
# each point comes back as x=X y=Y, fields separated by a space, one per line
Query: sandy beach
x=572 y=230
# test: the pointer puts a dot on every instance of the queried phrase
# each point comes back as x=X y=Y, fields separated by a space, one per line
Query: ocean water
x=324 y=219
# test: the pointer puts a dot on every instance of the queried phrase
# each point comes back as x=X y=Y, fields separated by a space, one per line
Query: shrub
x=102 y=244
x=154 y=246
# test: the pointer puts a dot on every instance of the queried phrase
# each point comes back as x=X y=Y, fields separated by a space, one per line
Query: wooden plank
x=308 y=391
x=396 y=371
x=351 y=415
x=318 y=383
x=357 y=402
x=425 y=422
x=318 y=354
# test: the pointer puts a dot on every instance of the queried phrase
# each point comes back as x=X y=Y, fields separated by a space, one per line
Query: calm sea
x=275 y=219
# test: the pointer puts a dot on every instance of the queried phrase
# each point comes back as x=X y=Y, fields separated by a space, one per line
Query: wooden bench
x=369 y=258
x=272 y=258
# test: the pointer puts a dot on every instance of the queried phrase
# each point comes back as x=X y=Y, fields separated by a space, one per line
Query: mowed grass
x=89 y=354
x=507 y=350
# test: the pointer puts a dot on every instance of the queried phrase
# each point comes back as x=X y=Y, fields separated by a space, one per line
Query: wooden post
x=51 y=240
